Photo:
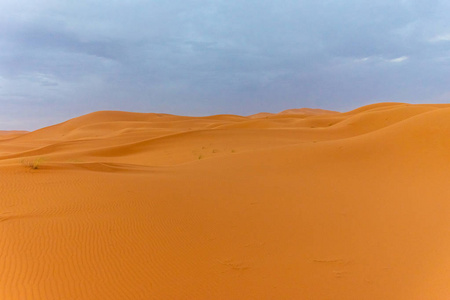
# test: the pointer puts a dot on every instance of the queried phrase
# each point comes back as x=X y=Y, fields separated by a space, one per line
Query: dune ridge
x=301 y=204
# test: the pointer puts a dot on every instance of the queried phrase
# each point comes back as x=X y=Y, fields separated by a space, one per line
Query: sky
x=61 y=59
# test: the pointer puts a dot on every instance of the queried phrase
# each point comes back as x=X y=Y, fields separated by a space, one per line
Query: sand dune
x=8 y=134
x=303 y=204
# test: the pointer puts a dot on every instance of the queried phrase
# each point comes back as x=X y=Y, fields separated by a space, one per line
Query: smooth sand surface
x=304 y=204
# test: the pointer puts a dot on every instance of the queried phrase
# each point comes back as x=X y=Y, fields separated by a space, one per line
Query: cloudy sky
x=60 y=59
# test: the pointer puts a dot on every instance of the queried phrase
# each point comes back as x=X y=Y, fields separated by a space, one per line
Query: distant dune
x=301 y=204
x=6 y=134
x=308 y=111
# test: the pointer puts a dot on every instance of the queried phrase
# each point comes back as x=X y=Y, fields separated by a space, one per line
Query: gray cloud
x=62 y=59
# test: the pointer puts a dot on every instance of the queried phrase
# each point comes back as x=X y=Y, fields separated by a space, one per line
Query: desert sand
x=303 y=204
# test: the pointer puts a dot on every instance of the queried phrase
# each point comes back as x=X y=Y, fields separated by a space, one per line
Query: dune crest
x=308 y=111
x=301 y=204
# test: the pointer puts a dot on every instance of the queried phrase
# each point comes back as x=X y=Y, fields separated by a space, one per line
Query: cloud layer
x=60 y=59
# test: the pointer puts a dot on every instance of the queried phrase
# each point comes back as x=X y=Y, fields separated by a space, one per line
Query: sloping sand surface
x=304 y=204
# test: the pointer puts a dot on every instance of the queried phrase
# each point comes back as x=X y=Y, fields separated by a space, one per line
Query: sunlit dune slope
x=303 y=204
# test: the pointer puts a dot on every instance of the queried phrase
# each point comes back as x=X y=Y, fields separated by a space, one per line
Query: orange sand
x=305 y=204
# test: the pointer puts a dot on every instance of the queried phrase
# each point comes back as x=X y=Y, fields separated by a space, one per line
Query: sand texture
x=304 y=204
